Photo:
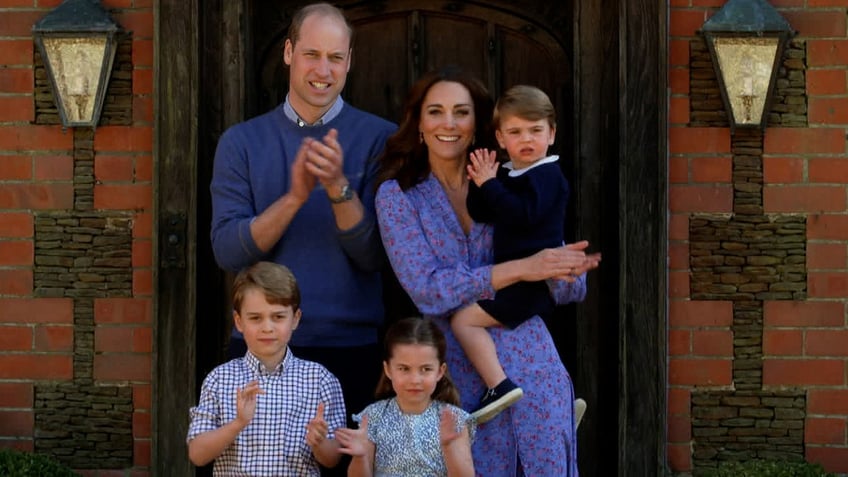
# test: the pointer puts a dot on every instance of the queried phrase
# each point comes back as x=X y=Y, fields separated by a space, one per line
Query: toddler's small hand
x=483 y=166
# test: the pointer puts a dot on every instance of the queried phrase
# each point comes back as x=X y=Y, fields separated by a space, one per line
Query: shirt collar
x=331 y=113
x=513 y=172
x=253 y=363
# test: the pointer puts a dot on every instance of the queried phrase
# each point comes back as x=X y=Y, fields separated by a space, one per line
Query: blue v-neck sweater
x=338 y=272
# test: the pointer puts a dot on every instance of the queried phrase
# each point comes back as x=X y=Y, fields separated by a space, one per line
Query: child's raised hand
x=317 y=428
x=483 y=166
x=246 y=402
x=448 y=426
x=355 y=441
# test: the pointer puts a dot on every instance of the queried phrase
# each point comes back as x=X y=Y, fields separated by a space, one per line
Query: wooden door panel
x=455 y=41
x=380 y=73
x=398 y=42
x=528 y=62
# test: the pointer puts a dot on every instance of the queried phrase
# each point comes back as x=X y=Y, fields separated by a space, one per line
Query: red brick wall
x=36 y=174
x=805 y=173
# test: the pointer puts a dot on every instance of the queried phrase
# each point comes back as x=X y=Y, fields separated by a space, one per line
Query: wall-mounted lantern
x=746 y=39
x=77 y=41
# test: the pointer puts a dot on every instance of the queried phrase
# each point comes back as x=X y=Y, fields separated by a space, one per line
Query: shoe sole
x=579 y=410
x=485 y=414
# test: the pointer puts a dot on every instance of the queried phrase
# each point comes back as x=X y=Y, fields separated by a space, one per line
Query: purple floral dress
x=443 y=269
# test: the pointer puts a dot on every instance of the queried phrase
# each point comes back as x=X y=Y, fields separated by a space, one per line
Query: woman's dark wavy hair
x=405 y=156
x=420 y=331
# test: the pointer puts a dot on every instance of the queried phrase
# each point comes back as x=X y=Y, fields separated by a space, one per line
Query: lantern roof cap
x=76 y=16
x=746 y=16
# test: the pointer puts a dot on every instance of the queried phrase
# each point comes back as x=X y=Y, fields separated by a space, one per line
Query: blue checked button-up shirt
x=274 y=443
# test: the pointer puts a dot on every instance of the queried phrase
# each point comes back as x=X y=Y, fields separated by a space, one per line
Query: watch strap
x=345 y=195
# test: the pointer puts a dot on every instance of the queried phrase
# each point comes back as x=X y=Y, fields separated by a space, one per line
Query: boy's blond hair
x=526 y=102
x=274 y=280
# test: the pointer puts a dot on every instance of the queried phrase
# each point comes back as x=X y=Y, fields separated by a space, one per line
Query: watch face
x=346 y=195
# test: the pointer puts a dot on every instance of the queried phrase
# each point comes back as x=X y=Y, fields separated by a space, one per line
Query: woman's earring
x=420 y=137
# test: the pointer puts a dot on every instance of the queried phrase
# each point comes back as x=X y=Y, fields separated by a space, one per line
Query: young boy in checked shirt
x=268 y=413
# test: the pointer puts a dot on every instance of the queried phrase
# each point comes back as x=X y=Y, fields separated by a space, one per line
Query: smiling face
x=319 y=62
x=447 y=121
x=267 y=327
x=525 y=141
x=414 y=371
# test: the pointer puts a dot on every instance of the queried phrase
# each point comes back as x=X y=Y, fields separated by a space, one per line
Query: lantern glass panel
x=746 y=66
x=77 y=65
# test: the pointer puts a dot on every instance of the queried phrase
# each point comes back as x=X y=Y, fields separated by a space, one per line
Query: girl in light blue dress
x=416 y=427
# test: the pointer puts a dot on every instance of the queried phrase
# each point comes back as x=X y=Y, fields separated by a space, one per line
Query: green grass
x=26 y=464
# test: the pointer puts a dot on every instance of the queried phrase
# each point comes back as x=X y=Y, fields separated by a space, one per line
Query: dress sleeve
x=565 y=292
x=425 y=256
x=375 y=421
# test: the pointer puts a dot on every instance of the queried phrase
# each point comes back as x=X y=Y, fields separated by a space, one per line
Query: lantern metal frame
x=743 y=26
x=80 y=23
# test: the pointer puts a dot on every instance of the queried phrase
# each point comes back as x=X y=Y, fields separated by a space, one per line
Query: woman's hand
x=590 y=260
x=564 y=263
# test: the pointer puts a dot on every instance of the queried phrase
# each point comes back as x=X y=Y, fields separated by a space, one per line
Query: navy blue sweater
x=528 y=211
x=338 y=272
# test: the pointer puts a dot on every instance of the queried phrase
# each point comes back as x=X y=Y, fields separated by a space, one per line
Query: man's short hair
x=320 y=9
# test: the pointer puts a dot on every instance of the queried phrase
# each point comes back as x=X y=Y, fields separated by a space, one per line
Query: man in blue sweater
x=296 y=186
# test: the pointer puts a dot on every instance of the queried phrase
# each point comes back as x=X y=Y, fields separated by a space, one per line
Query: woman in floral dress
x=444 y=261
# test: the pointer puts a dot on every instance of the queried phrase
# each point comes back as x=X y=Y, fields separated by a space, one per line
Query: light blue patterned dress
x=408 y=445
x=444 y=269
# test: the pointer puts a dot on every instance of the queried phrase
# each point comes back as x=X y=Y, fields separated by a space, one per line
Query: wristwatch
x=346 y=195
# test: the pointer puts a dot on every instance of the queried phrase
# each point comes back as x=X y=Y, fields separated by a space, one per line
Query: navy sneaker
x=495 y=400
